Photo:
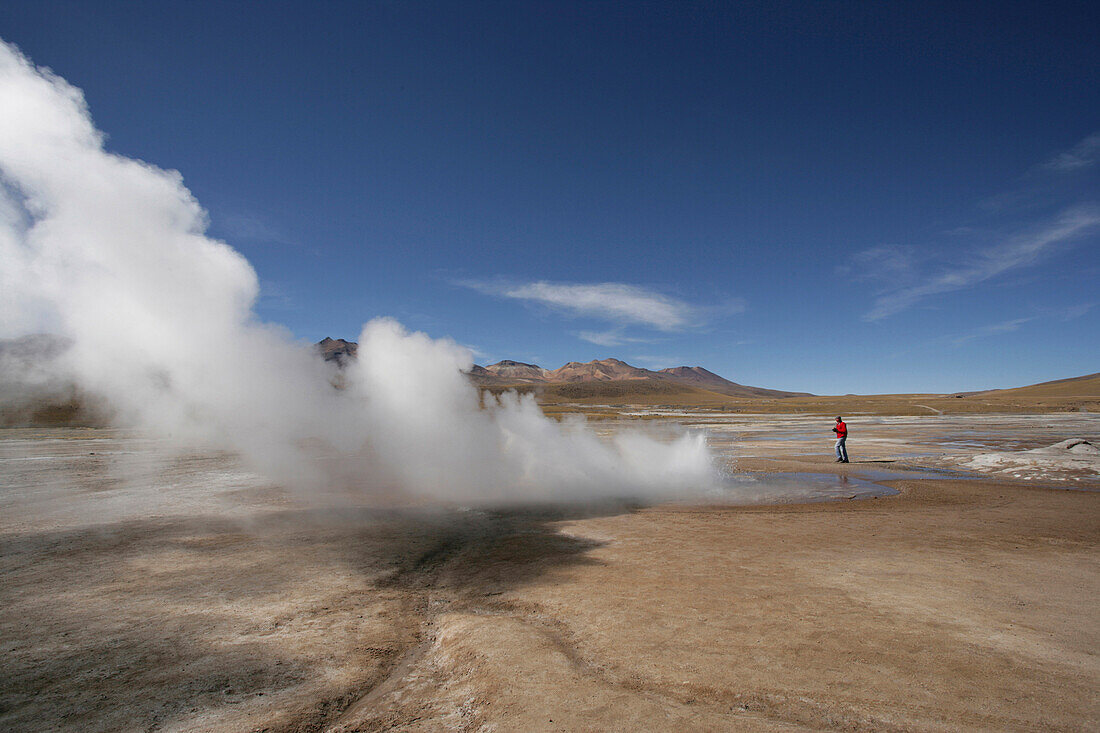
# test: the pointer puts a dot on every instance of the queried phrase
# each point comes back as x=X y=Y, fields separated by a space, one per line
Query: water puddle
x=782 y=488
x=877 y=474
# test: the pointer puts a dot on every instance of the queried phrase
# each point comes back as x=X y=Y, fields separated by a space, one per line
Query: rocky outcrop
x=337 y=350
x=516 y=371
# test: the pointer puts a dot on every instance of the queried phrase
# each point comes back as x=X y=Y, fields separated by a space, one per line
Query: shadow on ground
x=278 y=623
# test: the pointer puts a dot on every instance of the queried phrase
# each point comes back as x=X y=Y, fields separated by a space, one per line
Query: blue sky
x=826 y=197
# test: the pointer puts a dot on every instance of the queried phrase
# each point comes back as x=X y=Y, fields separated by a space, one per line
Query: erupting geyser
x=111 y=253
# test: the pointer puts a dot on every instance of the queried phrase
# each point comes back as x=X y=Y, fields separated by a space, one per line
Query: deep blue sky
x=866 y=197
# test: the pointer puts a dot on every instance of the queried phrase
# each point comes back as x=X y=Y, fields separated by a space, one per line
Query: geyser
x=111 y=253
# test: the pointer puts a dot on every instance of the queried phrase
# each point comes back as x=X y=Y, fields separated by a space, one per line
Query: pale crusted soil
x=958 y=605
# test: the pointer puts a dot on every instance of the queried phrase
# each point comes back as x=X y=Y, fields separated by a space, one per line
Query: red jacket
x=841 y=430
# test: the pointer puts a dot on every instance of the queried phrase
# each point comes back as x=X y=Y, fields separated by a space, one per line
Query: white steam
x=111 y=253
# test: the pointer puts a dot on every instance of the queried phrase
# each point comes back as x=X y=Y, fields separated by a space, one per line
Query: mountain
x=337 y=350
x=604 y=370
x=1084 y=386
x=697 y=376
x=617 y=377
x=34 y=391
x=515 y=372
x=628 y=379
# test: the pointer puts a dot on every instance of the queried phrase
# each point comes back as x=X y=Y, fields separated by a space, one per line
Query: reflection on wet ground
x=49 y=474
x=925 y=442
x=933 y=446
x=778 y=488
x=56 y=478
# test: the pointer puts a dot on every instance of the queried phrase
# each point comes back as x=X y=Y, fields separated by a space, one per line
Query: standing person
x=841 y=431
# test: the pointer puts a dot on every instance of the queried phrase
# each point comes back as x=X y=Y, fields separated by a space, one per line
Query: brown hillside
x=604 y=370
x=697 y=376
x=1084 y=387
x=696 y=384
x=514 y=371
x=629 y=391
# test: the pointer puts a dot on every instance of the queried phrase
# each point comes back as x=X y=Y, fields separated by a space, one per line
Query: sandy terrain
x=145 y=591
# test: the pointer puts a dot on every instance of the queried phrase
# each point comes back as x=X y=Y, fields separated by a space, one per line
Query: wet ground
x=57 y=478
x=886 y=447
x=143 y=590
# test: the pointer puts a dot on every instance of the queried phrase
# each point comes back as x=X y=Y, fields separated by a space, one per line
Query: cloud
x=275 y=296
x=610 y=338
x=252 y=229
x=1021 y=250
x=1084 y=154
x=1076 y=311
x=615 y=302
x=890 y=263
x=477 y=353
x=994 y=329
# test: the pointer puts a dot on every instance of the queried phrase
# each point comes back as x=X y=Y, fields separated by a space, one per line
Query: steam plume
x=111 y=253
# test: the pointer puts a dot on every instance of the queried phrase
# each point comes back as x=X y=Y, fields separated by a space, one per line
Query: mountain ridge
x=508 y=372
x=337 y=350
x=512 y=373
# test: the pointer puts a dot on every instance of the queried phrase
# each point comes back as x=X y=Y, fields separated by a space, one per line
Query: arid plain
x=919 y=587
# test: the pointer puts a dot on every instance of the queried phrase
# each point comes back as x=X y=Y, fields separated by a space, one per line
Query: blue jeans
x=841 y=451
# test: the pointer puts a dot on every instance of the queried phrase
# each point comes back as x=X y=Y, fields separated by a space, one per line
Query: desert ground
x=923 y=586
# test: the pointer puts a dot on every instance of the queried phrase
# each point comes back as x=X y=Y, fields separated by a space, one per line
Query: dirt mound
x=1077 y=446
x=1075 y=457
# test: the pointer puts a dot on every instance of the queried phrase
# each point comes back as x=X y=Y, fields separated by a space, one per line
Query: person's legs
x=842 y=449
x=839 y=443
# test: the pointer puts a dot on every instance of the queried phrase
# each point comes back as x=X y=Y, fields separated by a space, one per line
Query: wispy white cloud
x=889 y=263
x=1076 y=311
x=275 y=295
x=994 y=329
x=249 y=228
x=615 y=302
x=613 y=337
x=1047 y=183
x=477 y=353
x=1018 y=251
x=1084 y=154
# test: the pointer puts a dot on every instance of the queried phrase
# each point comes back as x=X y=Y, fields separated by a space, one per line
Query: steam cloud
x=111 y=253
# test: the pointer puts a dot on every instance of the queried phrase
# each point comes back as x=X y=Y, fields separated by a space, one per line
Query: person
x=841 y=431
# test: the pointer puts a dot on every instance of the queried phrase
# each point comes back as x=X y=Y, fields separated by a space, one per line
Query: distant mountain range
x=510 y=373
x=32 y=393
